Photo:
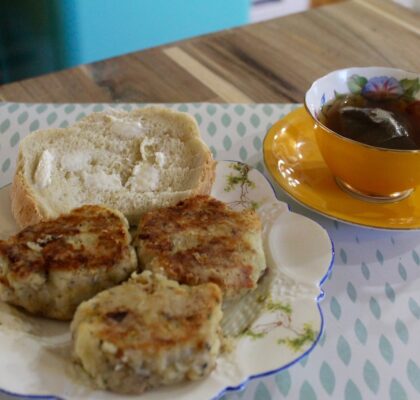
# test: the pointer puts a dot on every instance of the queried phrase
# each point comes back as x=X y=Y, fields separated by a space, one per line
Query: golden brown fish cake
x=51 y=267
x=148 y=332
x=202 y=240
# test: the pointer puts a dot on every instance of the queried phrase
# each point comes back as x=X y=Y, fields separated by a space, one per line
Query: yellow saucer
x=292 y=157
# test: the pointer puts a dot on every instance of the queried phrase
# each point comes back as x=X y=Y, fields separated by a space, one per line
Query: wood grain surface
x=273 y=61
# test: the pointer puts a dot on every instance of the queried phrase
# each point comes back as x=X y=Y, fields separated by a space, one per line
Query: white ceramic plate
x=35 y=353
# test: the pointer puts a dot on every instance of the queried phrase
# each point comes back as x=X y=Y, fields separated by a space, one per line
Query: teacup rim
x=343 y=137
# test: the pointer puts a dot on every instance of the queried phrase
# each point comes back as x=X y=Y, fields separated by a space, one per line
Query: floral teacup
x=368 y=172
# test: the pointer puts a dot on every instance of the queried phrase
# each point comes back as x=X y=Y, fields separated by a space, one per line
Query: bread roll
x=132 y=162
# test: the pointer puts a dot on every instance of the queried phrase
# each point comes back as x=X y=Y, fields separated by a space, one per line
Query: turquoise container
x=97 y=29
x=43 y=36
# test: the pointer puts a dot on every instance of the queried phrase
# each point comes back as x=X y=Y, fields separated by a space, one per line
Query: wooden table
x=273 y=61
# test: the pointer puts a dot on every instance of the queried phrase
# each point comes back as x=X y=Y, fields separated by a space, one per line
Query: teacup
x=368 y=172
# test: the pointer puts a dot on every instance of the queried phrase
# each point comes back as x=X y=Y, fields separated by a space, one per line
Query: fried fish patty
x=148 y=332
x=51 y=267
x=202 y=240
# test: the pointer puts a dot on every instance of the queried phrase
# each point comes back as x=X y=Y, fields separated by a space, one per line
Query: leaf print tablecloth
x=370 y=347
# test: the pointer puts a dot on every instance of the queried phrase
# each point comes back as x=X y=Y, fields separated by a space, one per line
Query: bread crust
x=27 y=209
x=207 y=178
x=24 y=207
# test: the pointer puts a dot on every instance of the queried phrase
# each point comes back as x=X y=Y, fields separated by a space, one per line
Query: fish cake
x=202 y=240
x=148 y=332
x=51 y=267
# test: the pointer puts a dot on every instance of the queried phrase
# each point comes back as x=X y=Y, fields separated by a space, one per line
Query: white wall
x=279 y=8
x=414 y=4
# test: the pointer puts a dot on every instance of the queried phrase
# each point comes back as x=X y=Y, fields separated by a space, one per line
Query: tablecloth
x=370 y=347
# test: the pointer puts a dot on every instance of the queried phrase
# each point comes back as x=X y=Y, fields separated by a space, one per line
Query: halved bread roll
x=132 y=162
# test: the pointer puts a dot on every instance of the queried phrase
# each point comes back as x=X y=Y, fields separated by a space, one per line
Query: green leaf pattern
x=356 y=83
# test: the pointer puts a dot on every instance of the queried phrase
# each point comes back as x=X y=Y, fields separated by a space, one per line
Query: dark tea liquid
x=387 y=123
